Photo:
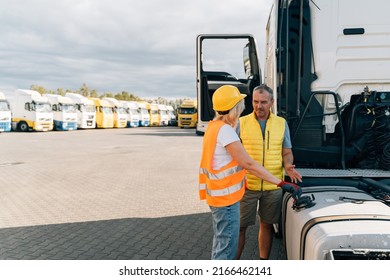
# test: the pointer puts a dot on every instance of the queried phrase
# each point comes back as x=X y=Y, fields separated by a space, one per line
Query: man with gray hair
x=266 y=138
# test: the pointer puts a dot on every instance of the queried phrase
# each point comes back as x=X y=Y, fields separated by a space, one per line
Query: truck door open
x=224 y=60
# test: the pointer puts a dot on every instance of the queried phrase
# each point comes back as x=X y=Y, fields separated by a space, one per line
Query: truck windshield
x=68 y=108
x=121 y=110
x=186 y=111
x=42 y=107
x=134 y=111
x=144 y=111
x=107 y=110
x=4 y=105
x=89 y=108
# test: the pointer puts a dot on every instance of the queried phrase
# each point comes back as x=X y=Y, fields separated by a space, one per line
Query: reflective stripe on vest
x=226 y=191
x=222 y=174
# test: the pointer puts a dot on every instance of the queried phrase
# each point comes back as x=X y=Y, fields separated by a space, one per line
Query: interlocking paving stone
x=75 y=202
x=55 y=242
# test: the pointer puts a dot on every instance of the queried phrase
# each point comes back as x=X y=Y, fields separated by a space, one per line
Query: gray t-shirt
x=286 y=140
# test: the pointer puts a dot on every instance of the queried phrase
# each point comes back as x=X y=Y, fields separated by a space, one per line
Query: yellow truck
x=104 y=113
x=154 y=115
x=187 y=114
x=119 y=111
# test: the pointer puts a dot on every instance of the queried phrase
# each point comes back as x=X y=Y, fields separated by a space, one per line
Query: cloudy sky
x=145 y=47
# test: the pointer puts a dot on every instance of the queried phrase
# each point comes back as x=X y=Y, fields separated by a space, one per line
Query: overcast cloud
x=145 y=47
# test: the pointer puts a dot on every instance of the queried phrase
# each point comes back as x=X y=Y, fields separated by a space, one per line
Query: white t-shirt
x=226 y=136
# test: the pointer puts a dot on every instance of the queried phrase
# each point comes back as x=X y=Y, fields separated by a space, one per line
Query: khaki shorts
x=267 y=204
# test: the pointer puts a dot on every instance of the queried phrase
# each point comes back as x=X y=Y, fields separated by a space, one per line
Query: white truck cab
x=5 y=114
x=64 y=112
x=86 y=110
x=133 y=115
x=172 y=120
x=30 y=111
x=144 y=114
x=163 y=112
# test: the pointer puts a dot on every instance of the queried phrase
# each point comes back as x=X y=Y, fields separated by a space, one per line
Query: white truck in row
x=144 y=114
x=5 y=114
x=163 y=113
x=133 y=114
x=30 y=111
x=86 y=110
x=64 y=112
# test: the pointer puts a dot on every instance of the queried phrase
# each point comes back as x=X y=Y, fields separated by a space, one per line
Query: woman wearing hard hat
x=223 y=166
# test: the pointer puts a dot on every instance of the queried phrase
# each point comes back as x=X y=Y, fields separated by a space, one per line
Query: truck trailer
x=328 y=67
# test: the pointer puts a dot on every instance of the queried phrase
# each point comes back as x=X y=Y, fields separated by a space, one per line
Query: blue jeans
x=226 y=227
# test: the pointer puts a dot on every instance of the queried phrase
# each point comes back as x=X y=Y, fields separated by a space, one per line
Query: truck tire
x=23 y=126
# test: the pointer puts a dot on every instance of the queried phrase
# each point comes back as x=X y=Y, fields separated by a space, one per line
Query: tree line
x=124 y=95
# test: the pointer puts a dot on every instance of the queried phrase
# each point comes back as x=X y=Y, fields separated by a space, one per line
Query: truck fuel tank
x=338 y=222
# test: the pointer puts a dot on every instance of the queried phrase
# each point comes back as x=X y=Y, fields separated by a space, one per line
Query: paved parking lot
x=105 y=194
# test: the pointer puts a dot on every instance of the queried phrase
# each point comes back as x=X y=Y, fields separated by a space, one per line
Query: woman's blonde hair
x=232 y=116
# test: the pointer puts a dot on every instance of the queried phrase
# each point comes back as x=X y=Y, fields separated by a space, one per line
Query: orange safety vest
x=221 y=187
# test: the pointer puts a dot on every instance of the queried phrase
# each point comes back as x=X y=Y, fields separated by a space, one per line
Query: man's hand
x=294 y=175
x=292 y=188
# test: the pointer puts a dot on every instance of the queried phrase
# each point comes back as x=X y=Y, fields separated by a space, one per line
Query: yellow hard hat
x=226 y=97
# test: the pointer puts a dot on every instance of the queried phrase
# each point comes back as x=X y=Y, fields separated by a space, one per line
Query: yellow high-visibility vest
x=266 y=150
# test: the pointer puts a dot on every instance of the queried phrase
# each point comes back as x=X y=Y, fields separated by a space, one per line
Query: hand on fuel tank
x=292 y=188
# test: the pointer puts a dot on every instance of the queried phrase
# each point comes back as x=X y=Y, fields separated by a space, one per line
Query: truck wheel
x=23 y=126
